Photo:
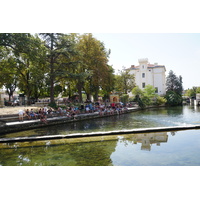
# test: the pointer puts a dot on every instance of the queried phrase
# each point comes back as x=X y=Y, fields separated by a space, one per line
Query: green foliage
x=131 y=99
x=53 y=105
x=124 y=81
x=147 y=96
x=57 y=90
x=60 y=51
x=198 y=90
x=192 y=92
x=174 y=89
x=71 y=62
x=124 y=98
x=147 y=101
x=149 y=91
x=137 y=91
x=141 y=103
x=18 y=42
x=138 y=95
x=23 y=64
x=174 y=83
x=173 y=99
x=160 y=100
x=93 y=57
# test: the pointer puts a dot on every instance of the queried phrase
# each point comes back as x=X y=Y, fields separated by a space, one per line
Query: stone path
x=14 y=110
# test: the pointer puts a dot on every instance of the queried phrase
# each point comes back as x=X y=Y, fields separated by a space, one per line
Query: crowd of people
x=31 y=114
x=72 y=111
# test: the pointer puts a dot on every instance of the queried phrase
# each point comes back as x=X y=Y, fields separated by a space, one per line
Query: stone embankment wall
x=11 y=123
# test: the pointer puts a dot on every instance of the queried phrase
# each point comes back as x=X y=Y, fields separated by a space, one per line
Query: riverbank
x=8 y=127
x=17 y=126
x=15 y=109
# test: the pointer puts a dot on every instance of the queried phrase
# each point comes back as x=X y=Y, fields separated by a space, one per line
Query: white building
x=150 y=74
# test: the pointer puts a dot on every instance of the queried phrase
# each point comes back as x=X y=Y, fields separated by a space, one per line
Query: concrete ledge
x=16 y=126
x=31 y=124
x=117 y=132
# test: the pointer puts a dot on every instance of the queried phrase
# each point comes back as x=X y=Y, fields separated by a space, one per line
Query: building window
x=143 y=75
x=156 y=90
x=143 y=85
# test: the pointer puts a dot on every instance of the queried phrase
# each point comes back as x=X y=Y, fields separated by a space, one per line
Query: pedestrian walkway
x=36 y=123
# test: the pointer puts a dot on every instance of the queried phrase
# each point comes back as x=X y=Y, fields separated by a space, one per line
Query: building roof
x=150 y=66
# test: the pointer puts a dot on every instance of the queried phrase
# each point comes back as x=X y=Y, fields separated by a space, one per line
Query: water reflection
x=166 y=148
x=179 y=148
x=147 y=139
x=162 y=117
x=130 y=149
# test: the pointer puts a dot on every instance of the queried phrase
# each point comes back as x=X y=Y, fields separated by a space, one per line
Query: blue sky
x=179 y=52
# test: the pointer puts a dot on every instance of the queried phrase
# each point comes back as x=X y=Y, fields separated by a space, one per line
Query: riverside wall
x=9 y=127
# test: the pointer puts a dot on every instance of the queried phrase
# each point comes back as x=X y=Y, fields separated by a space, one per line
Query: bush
x=146 y=100
x=173 y=99
x=160 y=100
x=53 y=105
x=124 y=98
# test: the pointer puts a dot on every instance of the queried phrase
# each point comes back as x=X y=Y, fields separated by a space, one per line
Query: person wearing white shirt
x=21 y=115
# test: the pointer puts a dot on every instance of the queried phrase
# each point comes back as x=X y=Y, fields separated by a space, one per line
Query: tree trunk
x=69 y=89
x=96 y=95
x=79 y=86
x=9 y=96
x=10 y=93
x=52 y=100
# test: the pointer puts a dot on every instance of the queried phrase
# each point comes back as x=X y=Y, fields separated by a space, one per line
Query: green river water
x=181 y=148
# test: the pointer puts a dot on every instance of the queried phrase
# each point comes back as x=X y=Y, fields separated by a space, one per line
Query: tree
x=174 y=89
x=108 y=83
x=192 y=92
x=23 y=67
x=8 y=78
x=125 y=81
x=160 y=100
x=149 y=91
x=94 y=63
x=11 y=45
x=58 y=46
x=138 y=96
x=18 y=42
x=174 y=83
x=62 y=62
x=173 y=98
x=147 y=96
